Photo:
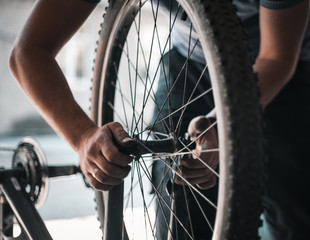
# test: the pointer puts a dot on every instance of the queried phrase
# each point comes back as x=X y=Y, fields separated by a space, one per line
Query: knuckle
x=91 y=152
x=112 y=156
x=118 y=130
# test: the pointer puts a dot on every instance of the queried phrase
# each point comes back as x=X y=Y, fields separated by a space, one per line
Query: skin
x=194 y=167
x=52 y=23
x=49 y=26
x=282 y=32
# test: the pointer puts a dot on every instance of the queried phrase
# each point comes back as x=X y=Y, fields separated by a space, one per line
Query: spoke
x=122 y=96
x=147 y=174
x=144 y=203
x=171 y=24
x=191 y=96
x=190 y=189
x=184 y=106
x=136 y=121
x=124 y=100
x=168 y=206
x=201 y=209
x=130 y=85
x=157 y=133
x=151 y=90
x=185 y=80
x=185 y=197
x=133 y=184
x=117 y=114
x=147 y=65
x=159 y=114
x=213 y=150
x=169 y=72
x=168 y=155
x=160 y=204
x=193 y=187
x=137 y=62
x=188 y=183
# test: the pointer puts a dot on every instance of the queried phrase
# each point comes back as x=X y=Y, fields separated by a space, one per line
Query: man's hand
x=101 y=162
x=194 y=168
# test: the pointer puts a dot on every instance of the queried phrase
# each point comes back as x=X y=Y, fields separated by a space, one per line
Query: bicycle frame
x=16 y=200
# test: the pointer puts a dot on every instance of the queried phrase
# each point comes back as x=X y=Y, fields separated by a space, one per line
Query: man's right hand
x=101 y=162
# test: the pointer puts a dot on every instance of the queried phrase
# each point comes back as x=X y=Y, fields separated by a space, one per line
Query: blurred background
x=70 y=207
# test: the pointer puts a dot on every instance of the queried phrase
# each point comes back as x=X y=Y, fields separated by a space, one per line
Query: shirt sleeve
x=279 y=4
x=91 y=1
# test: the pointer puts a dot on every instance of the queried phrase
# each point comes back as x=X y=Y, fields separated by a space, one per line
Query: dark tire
x=235 y=97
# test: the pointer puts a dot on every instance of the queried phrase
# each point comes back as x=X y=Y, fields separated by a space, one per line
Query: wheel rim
x=139 y=107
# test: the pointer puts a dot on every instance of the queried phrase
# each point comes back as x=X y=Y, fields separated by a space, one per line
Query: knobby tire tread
x=240 y=97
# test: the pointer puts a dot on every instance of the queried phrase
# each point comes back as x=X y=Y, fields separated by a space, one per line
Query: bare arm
x=32 y=62
x=282 y=33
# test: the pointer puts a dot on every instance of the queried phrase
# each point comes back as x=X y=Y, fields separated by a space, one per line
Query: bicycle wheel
x=143 y=80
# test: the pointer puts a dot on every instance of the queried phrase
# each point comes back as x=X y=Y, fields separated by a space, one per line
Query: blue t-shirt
x=247 y=10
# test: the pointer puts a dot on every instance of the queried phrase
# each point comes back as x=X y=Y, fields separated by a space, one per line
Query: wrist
x=80 y=137
x=74 y=127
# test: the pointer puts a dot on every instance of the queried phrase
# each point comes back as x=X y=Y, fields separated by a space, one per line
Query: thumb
x=198 y=125
x=127 y=142
x=122 y=140
x=120 y=136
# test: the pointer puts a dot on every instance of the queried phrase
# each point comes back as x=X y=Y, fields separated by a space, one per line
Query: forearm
x=281 y=34
x=49 y=26
x=273 y=75
x=40 y=77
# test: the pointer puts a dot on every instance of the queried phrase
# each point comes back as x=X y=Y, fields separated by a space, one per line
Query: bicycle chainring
x=31 y=158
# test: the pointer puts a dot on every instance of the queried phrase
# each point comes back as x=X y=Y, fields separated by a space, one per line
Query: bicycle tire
x=236 y=98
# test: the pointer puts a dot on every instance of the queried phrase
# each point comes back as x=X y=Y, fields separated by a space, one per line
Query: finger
x=194 y=173
x=193 y=163
x=110 y=151
x=112 y=170
x=97 y=185
x=207 y=160
x=120 y=136
x=104 y=178
x=192 y=181
x=121 y=139
x=119 y=133
x=178 y=180
x=211 y=182
x=202 y=182
x=198 y=125
x=203 y=177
